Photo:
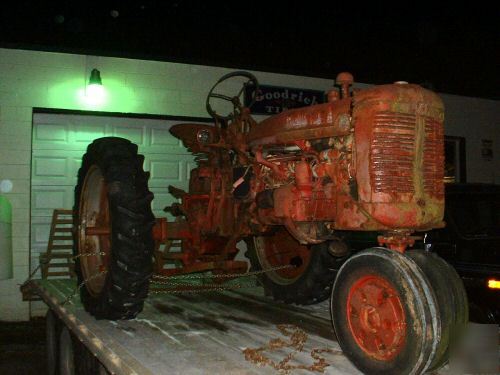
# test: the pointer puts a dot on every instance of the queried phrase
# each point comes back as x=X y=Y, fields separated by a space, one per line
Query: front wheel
x=113 y=221
x=385 y=313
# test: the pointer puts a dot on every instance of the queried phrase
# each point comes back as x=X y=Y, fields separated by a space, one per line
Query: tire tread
x=127 y=280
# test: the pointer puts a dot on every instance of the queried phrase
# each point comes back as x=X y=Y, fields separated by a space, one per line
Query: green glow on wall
x=95 y=95
x=74 y=94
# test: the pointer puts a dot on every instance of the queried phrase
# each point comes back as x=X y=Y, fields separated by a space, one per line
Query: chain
x=222 y=276
x=41 y=264
x=171 y=280
x=77 y=289
x=30 y=277
x=297 y=336
x=207 y=288
x=193 y=291
x=297 y=340
x=169 y=283
x=210 y=288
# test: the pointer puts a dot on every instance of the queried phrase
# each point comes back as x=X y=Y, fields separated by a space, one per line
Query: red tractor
x=367 y=160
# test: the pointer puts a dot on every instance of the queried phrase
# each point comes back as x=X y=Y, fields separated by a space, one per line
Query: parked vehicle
x=471 y=243
x=369 y=160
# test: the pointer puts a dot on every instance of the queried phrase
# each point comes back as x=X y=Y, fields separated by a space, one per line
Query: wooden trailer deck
x=227 y=332
x=204 y=333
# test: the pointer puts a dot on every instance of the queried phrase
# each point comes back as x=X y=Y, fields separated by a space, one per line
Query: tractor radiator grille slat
x=434 y=158
x=392 y=153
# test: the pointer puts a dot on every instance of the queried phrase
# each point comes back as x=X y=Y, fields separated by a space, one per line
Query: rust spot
x=421 y=202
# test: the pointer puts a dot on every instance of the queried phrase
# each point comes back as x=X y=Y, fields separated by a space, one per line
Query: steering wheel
x=235 y=99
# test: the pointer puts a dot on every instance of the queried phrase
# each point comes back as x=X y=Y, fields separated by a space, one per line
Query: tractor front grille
x=393 y=153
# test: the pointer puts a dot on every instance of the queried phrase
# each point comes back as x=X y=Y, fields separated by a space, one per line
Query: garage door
x=60 y=140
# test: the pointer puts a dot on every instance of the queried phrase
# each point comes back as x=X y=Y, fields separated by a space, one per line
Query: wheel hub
x=282 y=249
x=376 y=317
x=93 y=230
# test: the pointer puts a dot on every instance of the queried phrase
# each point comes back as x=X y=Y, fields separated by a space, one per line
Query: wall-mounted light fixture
x=95 y=92
x=95 y=77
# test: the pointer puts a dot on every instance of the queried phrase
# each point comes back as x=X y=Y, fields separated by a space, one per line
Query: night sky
x=445 y=47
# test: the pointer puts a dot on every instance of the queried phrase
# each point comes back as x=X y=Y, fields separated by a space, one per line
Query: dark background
x=449 y=47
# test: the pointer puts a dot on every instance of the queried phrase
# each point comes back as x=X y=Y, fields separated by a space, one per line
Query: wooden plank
x=62 y=247
x=61 y=264
x=64 y=221
x=199 y=333
x=54 y=237
x=56 y=255
x=66 y=273
x=61 y=211
x=64 y=230
x=62 y=238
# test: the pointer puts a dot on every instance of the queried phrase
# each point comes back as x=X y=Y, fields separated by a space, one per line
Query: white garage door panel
x=162 y=137
x=50 y=166
x=59 y=141
x=72 y=132
x=55 y=167
x=133 y=134
x=169 y=172
x=52 y=134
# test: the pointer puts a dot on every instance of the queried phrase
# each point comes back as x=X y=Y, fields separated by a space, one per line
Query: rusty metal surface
x=188 y=133
x=93 y=229
x=318 y=121
x=399 y=185
x=368 y=160
x=372 y=303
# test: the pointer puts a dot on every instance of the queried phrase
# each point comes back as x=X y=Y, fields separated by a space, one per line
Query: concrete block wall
x=31 y=79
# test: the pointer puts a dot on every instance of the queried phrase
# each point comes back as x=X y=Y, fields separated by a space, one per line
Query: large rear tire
x=311 y=276
x=113 y=222
x=384 y=313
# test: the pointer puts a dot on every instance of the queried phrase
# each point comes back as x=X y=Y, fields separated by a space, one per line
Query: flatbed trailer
x=239 y=331
x=225 y=332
